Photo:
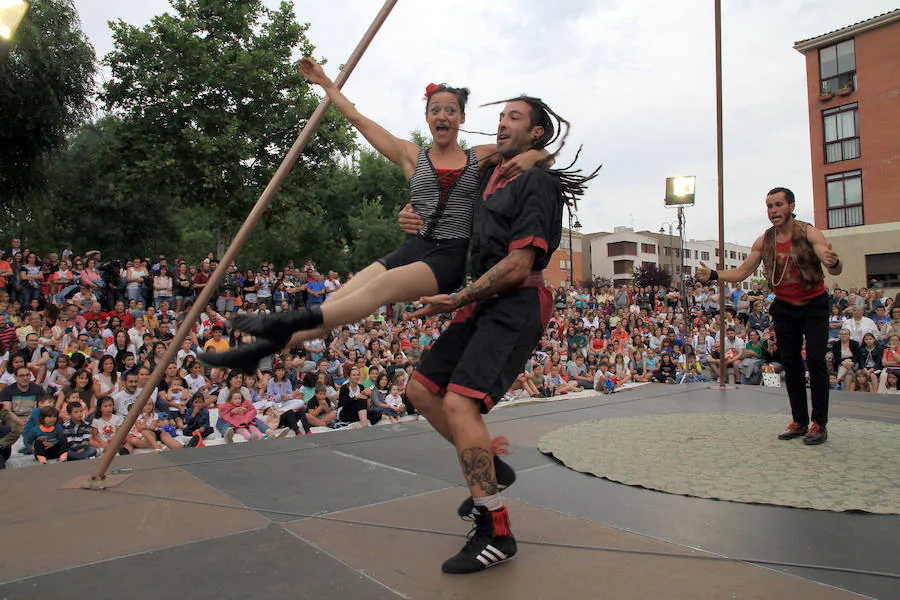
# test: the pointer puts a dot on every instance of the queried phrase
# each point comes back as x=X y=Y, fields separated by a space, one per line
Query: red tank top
x=786 y=278
x=446 y=178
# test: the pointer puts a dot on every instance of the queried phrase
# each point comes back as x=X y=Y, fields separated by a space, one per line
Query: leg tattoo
x=478 y=466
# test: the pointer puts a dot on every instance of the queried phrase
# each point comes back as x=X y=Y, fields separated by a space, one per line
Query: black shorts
x=486 y=347
x=445 y=258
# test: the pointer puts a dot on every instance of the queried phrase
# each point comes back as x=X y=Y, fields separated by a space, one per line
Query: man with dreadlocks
x=498 y=322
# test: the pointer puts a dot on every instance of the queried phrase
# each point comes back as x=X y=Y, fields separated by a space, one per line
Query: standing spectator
x=315 y=291
x=135 y=276
x=163 y=286
x=182 y=286
x=200 y=279
x=264 y=284
x=228 y=290
x=30 y=278
x=332 y=284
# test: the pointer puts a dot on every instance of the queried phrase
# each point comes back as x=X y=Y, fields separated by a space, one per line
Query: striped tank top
x=446 y=210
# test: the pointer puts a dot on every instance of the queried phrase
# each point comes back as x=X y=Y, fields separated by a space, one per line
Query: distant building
x=615 y=255
x=558 y=269
x=853 y=84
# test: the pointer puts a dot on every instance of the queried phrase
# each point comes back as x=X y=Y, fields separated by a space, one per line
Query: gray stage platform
x=370 y=514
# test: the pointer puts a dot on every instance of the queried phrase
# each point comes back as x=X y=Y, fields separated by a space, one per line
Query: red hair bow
x=430 y=89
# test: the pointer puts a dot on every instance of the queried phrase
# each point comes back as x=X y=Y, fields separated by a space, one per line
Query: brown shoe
x=794 y=430
x=816 y=435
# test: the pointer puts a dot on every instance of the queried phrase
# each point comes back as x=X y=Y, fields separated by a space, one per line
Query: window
x=731 y=254
x=646 y=264
x=687 y=253
x=667 y=251
x=621 y=249
x=705 y=255
x=648 y=248
x=717 y=253
x=837 y=67
x=621 y=267
x=687 y=269
x=841 y=127
x=564 y=243
x=884 y=269
x=563 y=265
x=844 y=199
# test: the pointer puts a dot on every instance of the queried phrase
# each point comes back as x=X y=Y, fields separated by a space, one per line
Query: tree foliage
x=211 y=103
x=83 y=201
x=46 y=81
x=651 y=275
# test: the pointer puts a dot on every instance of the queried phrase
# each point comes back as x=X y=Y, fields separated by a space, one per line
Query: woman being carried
x=444 y=182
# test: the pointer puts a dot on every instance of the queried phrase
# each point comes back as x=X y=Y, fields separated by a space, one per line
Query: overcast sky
x=635 y=78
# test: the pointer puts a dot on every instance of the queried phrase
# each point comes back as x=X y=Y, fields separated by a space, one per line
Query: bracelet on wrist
x=713 y=275
x=835 y=265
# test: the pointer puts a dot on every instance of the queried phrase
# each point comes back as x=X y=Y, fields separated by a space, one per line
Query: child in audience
x=196 y=419
x=50 y=442
x=105 y=424
x=78 y=433
x=31 y=429
x=395 y=402
x=176 y=400
x=318 y=410
x=240 y=415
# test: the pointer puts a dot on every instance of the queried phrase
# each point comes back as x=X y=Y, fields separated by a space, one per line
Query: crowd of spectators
x=79 y=337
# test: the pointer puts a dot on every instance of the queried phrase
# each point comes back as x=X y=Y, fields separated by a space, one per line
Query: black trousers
x=5 y=453
x=294 y=420
x=792 y=323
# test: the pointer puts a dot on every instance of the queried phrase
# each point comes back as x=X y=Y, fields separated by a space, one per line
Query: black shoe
x=245 y=357
x=506 y=476
x=490 y=543
x=279 y=327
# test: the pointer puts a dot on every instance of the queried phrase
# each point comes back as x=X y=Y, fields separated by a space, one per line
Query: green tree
x=375 y=234
x=211 y=103
x=46 y=81
x=82 y=190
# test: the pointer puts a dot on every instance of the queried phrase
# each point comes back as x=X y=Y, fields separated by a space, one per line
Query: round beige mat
x=739 y=458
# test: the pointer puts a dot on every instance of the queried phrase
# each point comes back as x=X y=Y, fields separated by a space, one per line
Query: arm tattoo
x=478 y=467
x=506 y=274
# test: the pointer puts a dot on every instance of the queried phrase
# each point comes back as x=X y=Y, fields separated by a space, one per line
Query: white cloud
x=636 y=80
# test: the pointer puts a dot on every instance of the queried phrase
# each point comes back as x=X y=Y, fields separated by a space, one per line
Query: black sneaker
x=506 y=476
x=279 y=327
x=490 y=543
x=245 y=357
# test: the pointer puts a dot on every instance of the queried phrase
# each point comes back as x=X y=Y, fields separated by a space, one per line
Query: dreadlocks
x=556 y=128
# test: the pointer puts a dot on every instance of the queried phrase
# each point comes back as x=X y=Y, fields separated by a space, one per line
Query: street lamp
x=573 y=224
x=11 y=13
x=680 y=193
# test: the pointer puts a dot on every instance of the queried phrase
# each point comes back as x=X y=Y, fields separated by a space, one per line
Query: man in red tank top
x=794 y=254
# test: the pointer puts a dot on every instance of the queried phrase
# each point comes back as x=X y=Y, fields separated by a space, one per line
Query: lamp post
x=680 y=193
x=11 y=13
x=573 y=224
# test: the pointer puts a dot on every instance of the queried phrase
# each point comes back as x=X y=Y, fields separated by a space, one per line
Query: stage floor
x=371 y=514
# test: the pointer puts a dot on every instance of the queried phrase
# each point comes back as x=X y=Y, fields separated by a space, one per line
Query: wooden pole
x=723 y=373
x=234 y=249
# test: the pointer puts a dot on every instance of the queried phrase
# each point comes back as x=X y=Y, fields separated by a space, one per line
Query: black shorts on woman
x=447 y=212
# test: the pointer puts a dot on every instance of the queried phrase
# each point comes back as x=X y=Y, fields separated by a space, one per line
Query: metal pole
x=571 y=254
x=239 y=240
x=720 y=165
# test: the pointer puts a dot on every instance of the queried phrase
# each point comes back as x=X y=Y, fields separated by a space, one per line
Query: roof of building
x=832 y=37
